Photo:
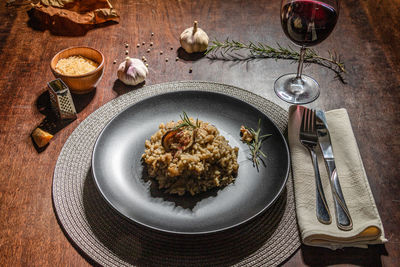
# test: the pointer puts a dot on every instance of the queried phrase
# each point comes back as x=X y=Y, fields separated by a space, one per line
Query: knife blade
x=343 y=218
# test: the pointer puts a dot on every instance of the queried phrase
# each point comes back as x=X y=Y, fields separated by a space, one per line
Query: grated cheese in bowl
x=75 y=65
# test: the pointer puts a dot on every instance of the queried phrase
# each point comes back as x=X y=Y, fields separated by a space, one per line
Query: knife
x=343 y=218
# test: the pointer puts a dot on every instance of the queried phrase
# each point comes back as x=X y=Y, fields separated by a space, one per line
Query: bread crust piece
x=41 y=138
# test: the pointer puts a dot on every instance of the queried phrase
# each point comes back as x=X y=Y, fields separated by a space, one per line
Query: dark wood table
x=367 y=37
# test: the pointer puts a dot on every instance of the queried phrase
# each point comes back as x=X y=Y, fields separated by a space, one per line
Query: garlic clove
x=194 y=39
x=132 y=71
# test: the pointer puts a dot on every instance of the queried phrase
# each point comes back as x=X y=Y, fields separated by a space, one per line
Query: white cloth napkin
x=367 y=225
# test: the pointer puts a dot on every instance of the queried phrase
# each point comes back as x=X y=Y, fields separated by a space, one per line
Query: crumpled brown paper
x=71 y=17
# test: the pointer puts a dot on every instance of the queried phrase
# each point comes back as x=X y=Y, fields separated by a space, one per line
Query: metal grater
x=61 y=99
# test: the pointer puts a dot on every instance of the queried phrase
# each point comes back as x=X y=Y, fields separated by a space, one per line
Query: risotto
x=190 y=156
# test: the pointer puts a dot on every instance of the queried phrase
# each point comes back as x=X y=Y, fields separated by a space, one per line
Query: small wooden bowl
x=80 y=84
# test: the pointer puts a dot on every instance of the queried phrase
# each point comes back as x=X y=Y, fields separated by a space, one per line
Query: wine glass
x=306 y=23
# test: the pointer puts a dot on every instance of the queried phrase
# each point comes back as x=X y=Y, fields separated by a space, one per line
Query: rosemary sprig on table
x=228 y=50
x=255 y=144
x=186 y=122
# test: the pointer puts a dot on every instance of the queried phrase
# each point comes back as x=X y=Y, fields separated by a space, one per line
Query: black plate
x=121 y=178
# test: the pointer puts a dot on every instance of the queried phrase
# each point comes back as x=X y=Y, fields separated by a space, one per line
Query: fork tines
x=308 y=124
x=309 y=115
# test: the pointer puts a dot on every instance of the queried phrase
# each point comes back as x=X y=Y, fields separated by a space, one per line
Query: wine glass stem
x=301 y=60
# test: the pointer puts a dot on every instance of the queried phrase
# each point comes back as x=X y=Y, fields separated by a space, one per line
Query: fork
x=309 y=139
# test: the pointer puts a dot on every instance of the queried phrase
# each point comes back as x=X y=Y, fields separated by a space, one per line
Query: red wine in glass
x=305 y=23
x=308 y=22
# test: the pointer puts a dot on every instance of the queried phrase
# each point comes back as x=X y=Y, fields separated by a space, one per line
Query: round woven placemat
x=110 y=239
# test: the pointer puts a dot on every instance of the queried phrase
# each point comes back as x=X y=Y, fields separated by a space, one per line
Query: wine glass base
x=295 y=91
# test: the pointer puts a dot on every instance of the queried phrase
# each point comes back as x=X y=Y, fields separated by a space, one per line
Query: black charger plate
x=121 y=178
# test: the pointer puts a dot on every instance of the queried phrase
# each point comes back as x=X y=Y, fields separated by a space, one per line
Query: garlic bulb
x=194 y=39
x=132 y=71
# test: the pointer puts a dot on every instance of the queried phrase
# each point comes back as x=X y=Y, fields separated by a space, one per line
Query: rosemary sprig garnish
x=255 y=144
x=229 y=48
x=186 y=122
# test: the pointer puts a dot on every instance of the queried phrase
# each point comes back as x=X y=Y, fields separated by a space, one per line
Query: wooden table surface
x=367 y=37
